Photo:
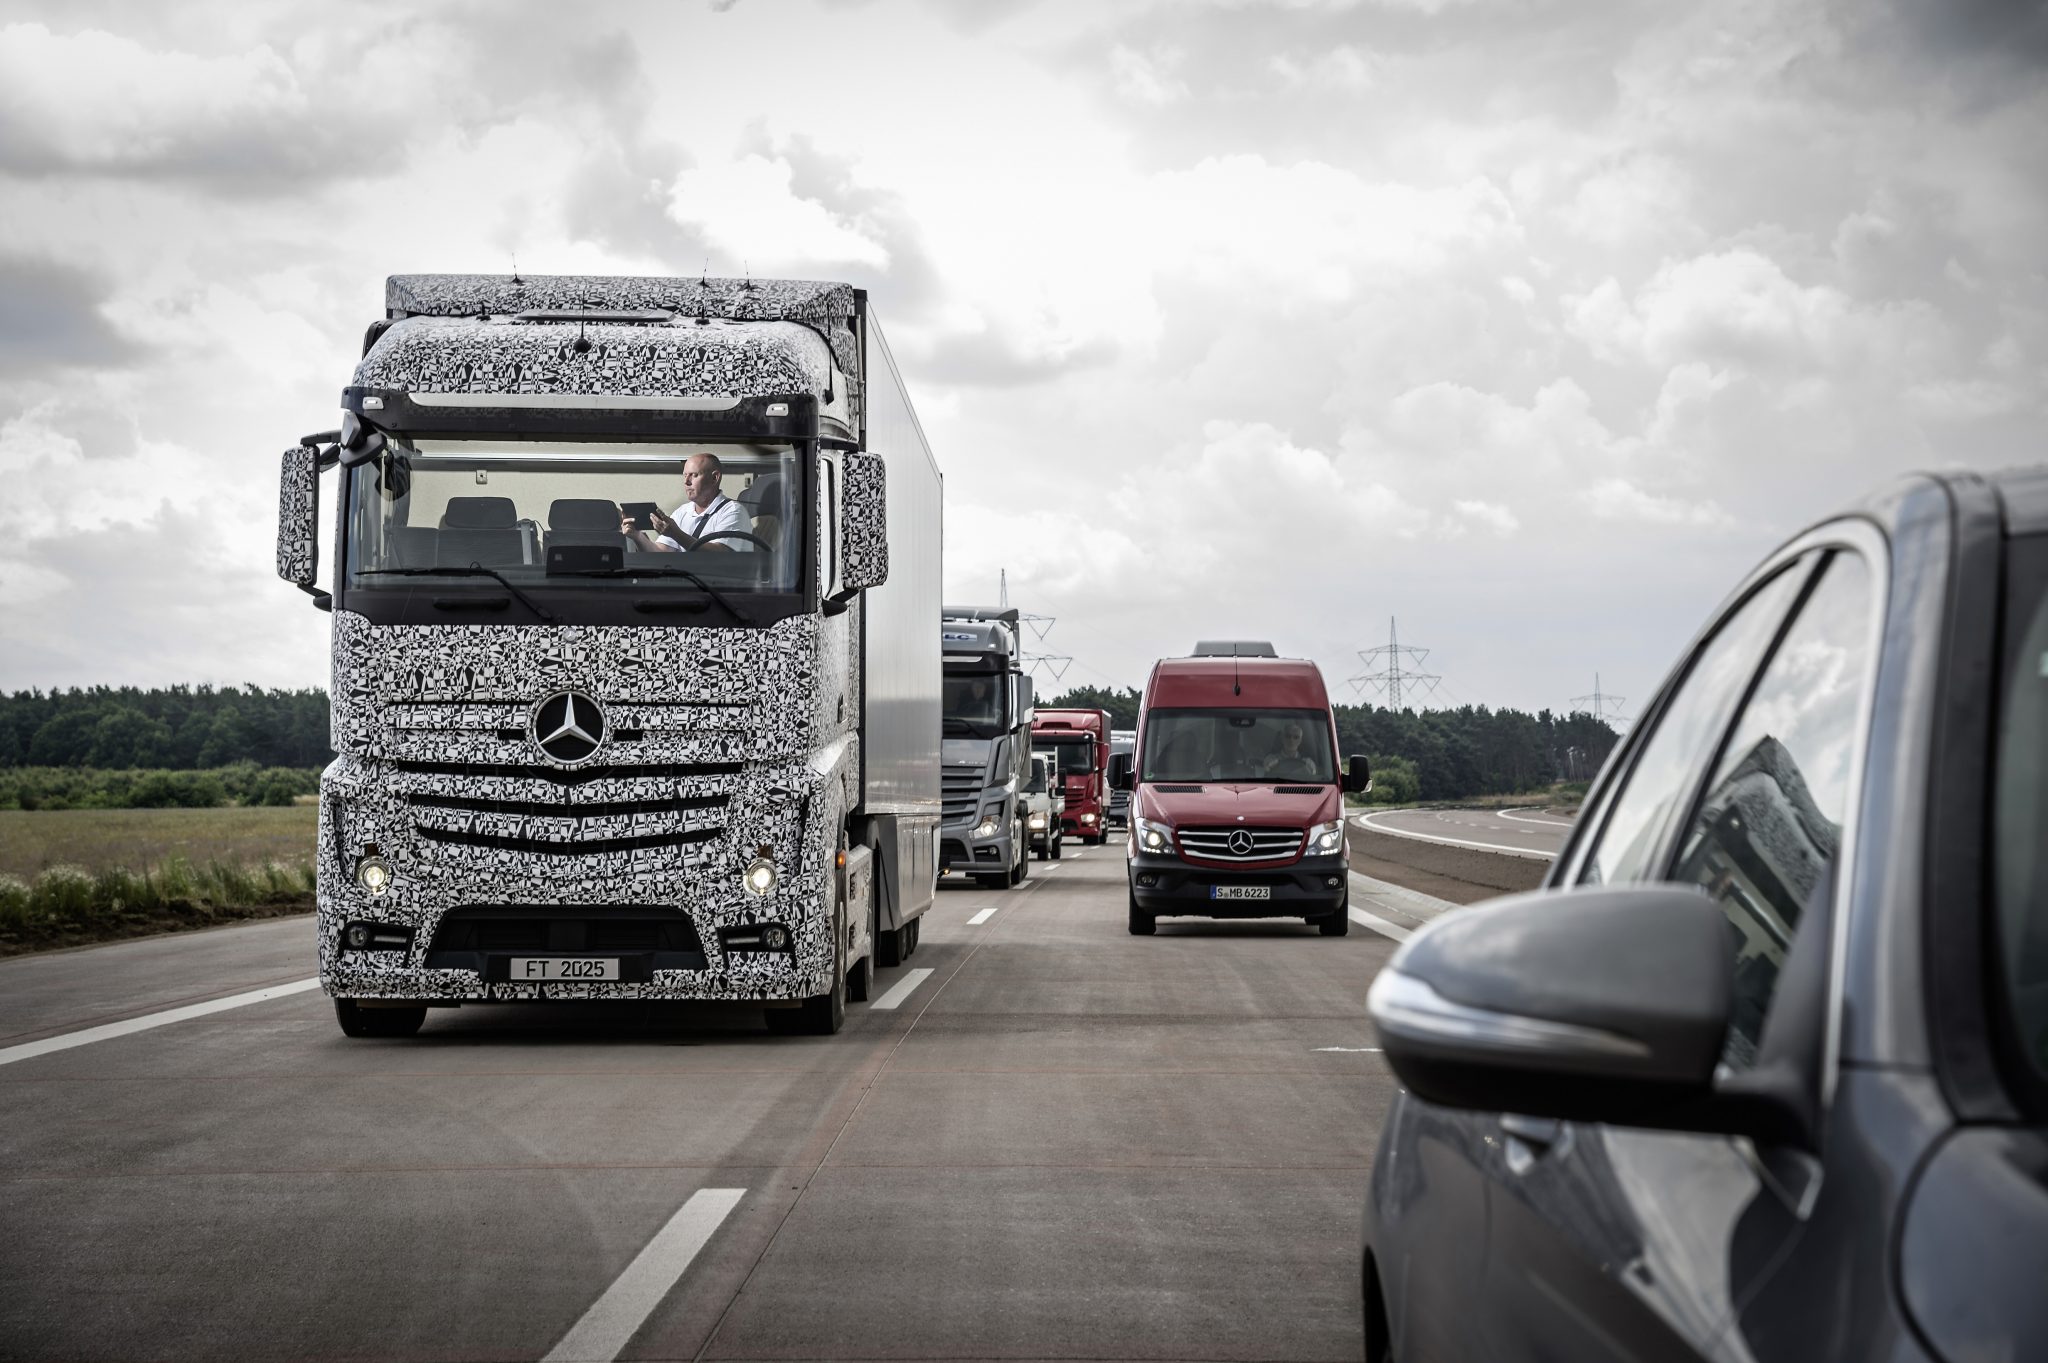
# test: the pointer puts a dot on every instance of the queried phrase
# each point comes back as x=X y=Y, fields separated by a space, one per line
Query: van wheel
x=1338 y=924
x=1142 y=924
x=357 y=1020
x=1057 y=844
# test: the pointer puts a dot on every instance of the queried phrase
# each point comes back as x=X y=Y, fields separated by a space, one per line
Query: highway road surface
x=1045 y=1139
x=1528 y=832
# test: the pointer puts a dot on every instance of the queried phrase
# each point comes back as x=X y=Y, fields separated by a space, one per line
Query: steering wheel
x=766 y=547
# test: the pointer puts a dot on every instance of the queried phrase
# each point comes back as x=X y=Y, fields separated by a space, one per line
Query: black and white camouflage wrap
x=717 y=743
x=298 y=516
x=866 y=562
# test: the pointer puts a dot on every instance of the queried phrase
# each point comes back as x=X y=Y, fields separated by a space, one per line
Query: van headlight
x=1326 y=838
x=1037 y=823
x=1154 y=837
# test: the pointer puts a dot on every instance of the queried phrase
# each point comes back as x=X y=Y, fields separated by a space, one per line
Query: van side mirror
x=298 y=520
x=1120 y=771
x=1357 y=775
x=863 y=513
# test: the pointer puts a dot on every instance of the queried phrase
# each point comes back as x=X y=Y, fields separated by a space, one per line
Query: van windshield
x=1238 y=745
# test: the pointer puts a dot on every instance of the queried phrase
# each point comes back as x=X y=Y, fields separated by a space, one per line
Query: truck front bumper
x=1313 y=887
x=960 y=850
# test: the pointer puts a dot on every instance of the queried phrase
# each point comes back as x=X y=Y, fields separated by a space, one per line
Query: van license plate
x=1240 y=892
x=563 y=968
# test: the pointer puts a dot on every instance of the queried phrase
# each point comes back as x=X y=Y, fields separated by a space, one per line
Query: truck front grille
x=960 y=792
x=1267 y=844
x=564 y=847
x=566 y=928
x=530 y=810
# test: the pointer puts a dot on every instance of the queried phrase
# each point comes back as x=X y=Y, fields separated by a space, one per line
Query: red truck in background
x=1079 y=739
x=1237 y=809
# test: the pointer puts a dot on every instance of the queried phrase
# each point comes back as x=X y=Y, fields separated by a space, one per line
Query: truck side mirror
x=1119 y=771
x=298 y=519
x=1027 y=699
x=1357 y=776
x=863 y=523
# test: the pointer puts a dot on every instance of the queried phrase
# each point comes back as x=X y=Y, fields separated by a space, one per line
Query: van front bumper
x=1313 y=887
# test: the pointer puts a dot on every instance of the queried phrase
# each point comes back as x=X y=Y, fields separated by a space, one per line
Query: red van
x=1079 y=739
x=1237 y=805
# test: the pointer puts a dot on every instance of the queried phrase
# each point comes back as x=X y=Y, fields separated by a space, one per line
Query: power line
x=1041 y=625
x=1393 y=677
x=1603 y=707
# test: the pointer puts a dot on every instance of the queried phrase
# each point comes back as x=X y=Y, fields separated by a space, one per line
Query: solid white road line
x=1542 y=820
x=1379 y=925
x=981 y=918
x=1366 y=821
x=903 y=989
x=612 y=1319
x=29 y=1050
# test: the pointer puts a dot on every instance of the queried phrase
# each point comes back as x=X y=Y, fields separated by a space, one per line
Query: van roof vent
x=1233 y=648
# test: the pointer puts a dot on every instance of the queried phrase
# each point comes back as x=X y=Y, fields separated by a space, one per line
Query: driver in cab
x=708 y=520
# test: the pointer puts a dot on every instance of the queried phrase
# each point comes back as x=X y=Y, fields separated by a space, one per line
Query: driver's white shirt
x=723 y=514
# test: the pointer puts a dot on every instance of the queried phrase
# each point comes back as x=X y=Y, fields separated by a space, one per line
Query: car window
x=1771 y=819
x=2020 y=814
x=1660 y=782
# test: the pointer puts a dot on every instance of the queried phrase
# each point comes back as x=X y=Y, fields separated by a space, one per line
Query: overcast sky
x=1532 y=322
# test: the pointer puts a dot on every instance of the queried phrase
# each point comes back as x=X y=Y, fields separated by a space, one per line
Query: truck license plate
x=1240 y=892
x=563 y=968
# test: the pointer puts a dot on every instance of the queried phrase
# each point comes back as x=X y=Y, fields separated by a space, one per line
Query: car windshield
x=1238 y=745
x=1076 y=756
x=972 y=703
x=606 y=516
x=2020 y=828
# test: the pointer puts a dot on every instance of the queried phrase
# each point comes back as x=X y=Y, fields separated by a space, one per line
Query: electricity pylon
x=1600 y=705
x=1393 y=678
x=1041 y=625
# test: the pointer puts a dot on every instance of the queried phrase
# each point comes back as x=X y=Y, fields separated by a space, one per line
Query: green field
x=69 y=877
x=131 y=839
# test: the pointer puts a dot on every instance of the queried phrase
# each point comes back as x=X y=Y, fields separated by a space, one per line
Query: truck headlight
x=1154 y=837
x=759 y=877
x=987 y=827
x=1037 y=822
x=1087 y=818
x=1326 y=838
x=374 y=875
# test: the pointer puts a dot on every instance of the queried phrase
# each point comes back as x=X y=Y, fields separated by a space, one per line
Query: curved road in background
x=1519 y=832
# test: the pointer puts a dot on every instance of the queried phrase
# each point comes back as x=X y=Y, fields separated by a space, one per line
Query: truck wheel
x=916 y=931
x=1021 y=872
x=891 y=946
x=1057 y=844
x=1142 y=924
x=820 y=1014
x=357 y=1020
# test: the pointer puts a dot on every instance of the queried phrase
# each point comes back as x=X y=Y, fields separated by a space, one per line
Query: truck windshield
x=973 y=704
x=1238 y=745
x=2020 y=814
x=435 y=506
x=1076 y=756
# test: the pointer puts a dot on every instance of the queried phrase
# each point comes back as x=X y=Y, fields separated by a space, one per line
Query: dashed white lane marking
x=1379 y=925
x=903 y=988
x=28 y=1050
x=1530 y=816
x=1366 y=821
x=1349 y=1050
x=981 y=918
x=613 y=1318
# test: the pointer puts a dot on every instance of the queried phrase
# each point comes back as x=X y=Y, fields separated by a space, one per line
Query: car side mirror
x=1120 y=771
x=298 y=520
x=1357 y=775
x=1593 y=1004
x=863 y=512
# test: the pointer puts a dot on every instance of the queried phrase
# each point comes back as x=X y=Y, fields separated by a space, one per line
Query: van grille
x=1267 y=844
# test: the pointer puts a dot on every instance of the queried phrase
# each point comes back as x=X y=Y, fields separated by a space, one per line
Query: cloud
x=1616 y=499
x=1146 y=78
x=1493 y=517
x=52 y=316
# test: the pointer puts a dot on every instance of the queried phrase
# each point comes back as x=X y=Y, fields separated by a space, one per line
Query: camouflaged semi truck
x=635 y=687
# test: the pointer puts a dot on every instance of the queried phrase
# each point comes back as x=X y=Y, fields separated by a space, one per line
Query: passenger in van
x=707 y=513
x=1289 y=762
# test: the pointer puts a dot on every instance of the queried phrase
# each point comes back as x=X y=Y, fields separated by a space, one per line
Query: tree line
x=181 y=727
x=1433 y=754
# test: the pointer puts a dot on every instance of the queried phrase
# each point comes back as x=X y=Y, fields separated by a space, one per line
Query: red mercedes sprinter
x=1237 y=805
x=1079 y=739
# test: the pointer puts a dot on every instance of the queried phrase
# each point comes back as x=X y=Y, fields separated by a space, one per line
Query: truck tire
x=357 y=1020
x=1057 y=844
x=820 y=1014
x=1021 y=872
x=1142 y=924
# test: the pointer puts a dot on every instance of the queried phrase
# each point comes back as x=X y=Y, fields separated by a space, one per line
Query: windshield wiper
x=473 y=570
x=663 y=571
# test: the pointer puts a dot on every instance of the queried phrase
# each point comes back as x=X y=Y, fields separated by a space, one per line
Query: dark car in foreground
x=1761 y=1073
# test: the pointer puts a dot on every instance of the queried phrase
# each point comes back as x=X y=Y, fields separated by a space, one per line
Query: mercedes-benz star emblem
x=1240 y=843
x=568 y=727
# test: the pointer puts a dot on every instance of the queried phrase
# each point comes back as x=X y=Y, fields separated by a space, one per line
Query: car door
x=1613 y=1243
